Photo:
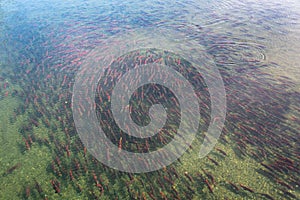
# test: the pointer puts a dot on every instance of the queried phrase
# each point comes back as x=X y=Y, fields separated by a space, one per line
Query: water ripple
x=238 y=55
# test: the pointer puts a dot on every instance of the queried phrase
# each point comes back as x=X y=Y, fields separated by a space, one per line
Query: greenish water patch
x=19 y=168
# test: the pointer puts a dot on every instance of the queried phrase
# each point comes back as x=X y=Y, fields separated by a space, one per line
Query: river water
x=253 y=46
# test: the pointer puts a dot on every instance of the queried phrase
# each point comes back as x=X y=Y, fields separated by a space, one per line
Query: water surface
x=255 y=46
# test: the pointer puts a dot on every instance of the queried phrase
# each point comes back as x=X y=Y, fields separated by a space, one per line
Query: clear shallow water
x=255 y=46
